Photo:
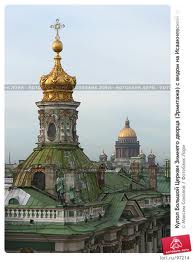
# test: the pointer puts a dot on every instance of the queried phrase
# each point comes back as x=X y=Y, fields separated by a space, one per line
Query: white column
x=69 y=246
x=137 y=248
x=155 y=242
x=137 y=244
x=159 y=236
x=149 y=243
x=142 y=243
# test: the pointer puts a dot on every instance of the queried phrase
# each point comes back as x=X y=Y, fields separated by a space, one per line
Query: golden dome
x=57 y=86
x=127 y=131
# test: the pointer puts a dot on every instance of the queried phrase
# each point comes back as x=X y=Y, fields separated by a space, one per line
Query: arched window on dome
x=51 y=132
x=13 y=201
x=39 y=180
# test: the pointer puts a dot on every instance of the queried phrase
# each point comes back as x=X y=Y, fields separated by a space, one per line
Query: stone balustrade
x=52 y=214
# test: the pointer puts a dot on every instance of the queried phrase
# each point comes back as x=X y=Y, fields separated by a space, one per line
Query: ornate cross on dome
x=57 y=27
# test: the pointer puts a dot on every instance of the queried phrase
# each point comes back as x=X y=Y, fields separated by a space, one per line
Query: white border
x=185 y=11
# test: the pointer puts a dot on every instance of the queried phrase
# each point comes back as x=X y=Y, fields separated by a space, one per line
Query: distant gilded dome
x=127 y=131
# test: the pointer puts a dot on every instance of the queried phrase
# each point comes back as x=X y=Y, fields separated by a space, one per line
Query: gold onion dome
x=57 y=86
x=127 y=131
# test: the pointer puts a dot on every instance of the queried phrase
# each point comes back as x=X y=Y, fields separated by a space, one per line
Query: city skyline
x=107 y=119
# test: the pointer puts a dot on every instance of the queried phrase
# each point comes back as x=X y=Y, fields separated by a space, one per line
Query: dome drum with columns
x=57 y=122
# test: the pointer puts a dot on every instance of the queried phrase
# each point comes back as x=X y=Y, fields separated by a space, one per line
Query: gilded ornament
x=57 y=86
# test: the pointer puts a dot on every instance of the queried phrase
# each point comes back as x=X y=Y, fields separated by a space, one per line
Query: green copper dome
x=67 y=162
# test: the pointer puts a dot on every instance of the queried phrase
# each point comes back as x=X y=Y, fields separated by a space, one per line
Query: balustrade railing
x=51 y=214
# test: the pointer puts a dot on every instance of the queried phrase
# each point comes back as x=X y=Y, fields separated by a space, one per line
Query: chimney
x=153 y=170
x=135 y=170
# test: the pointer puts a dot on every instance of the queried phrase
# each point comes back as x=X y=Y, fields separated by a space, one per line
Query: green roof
x=116 y=182
x=112 y=215
x=144 y=180
x=163 y=184
x=39 y=199
x=138 y=195
x=66 y=157
x=116 y=207
x=157 y=211
x=91 y=189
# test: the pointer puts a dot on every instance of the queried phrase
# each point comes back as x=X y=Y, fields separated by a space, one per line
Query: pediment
x=132 y=208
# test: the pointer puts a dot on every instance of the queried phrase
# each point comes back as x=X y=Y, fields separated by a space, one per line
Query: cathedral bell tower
x=57 y=110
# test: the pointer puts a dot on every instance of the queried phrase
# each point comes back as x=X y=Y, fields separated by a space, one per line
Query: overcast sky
x=123 y=44
x=102 y=44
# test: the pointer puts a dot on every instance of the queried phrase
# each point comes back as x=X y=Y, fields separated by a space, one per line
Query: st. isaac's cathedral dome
x=127 y=131
x=127 y=144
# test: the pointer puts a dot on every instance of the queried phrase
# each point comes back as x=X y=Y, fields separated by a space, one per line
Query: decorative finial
x=57 y=86
x=57 y=27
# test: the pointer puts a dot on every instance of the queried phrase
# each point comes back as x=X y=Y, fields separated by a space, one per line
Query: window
x=79 y=213
x=51 y=133
x=146 y=201
x=39 y=180
x=71 y=213
x=13 y=201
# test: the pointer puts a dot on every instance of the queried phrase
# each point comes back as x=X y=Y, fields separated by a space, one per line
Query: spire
x=57 y=85
x=103 y=152
x=127 y=123
x=151 y=154
x=103 y=157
